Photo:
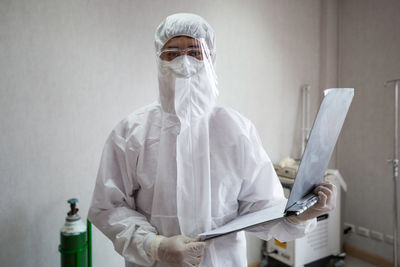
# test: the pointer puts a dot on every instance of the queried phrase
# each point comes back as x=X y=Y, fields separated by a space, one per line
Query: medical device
x=305 y=118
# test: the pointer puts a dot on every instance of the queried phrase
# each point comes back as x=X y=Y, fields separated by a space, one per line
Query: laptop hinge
x=302 y=205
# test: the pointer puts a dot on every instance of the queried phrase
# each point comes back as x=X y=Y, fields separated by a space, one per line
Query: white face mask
x=183 y=66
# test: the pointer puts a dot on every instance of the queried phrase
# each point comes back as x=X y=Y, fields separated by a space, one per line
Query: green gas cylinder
x=73 y=239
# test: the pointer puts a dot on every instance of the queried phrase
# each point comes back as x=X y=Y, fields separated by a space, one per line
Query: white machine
x=323 y=242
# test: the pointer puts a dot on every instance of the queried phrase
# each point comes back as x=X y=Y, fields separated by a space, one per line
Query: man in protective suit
x=182 y=166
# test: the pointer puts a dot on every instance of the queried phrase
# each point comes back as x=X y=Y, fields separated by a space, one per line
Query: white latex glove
x=326 y=192
x=178 y=251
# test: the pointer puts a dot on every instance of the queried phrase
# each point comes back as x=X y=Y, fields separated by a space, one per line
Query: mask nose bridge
x=185 y=60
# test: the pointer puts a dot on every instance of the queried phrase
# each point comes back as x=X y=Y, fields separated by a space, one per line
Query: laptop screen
x=322 y=140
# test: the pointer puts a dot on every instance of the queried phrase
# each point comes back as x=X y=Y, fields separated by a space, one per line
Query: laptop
x=314 y=162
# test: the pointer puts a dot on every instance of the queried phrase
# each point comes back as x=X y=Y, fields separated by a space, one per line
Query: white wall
x=369 y=56
x=70 y=70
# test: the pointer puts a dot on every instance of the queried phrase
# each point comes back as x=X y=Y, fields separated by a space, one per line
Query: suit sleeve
x=112 y=208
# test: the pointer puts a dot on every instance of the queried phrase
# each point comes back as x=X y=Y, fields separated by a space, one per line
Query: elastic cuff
x=147 y=242
x=154 y=246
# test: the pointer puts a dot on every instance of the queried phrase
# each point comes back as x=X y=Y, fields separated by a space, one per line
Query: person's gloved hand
x=178 y=251
x=326 y=192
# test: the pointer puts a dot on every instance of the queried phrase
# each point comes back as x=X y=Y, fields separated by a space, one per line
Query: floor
x=355 y=262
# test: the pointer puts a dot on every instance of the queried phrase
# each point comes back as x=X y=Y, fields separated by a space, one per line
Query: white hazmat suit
x=183 y=165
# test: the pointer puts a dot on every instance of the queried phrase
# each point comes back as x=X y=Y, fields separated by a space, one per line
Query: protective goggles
x=171 y=54
x=184 y=45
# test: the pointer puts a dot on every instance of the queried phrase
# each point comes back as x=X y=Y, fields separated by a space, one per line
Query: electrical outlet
x=352 y=227
x=363 y=231
x=376 y=235
x=389 y=239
